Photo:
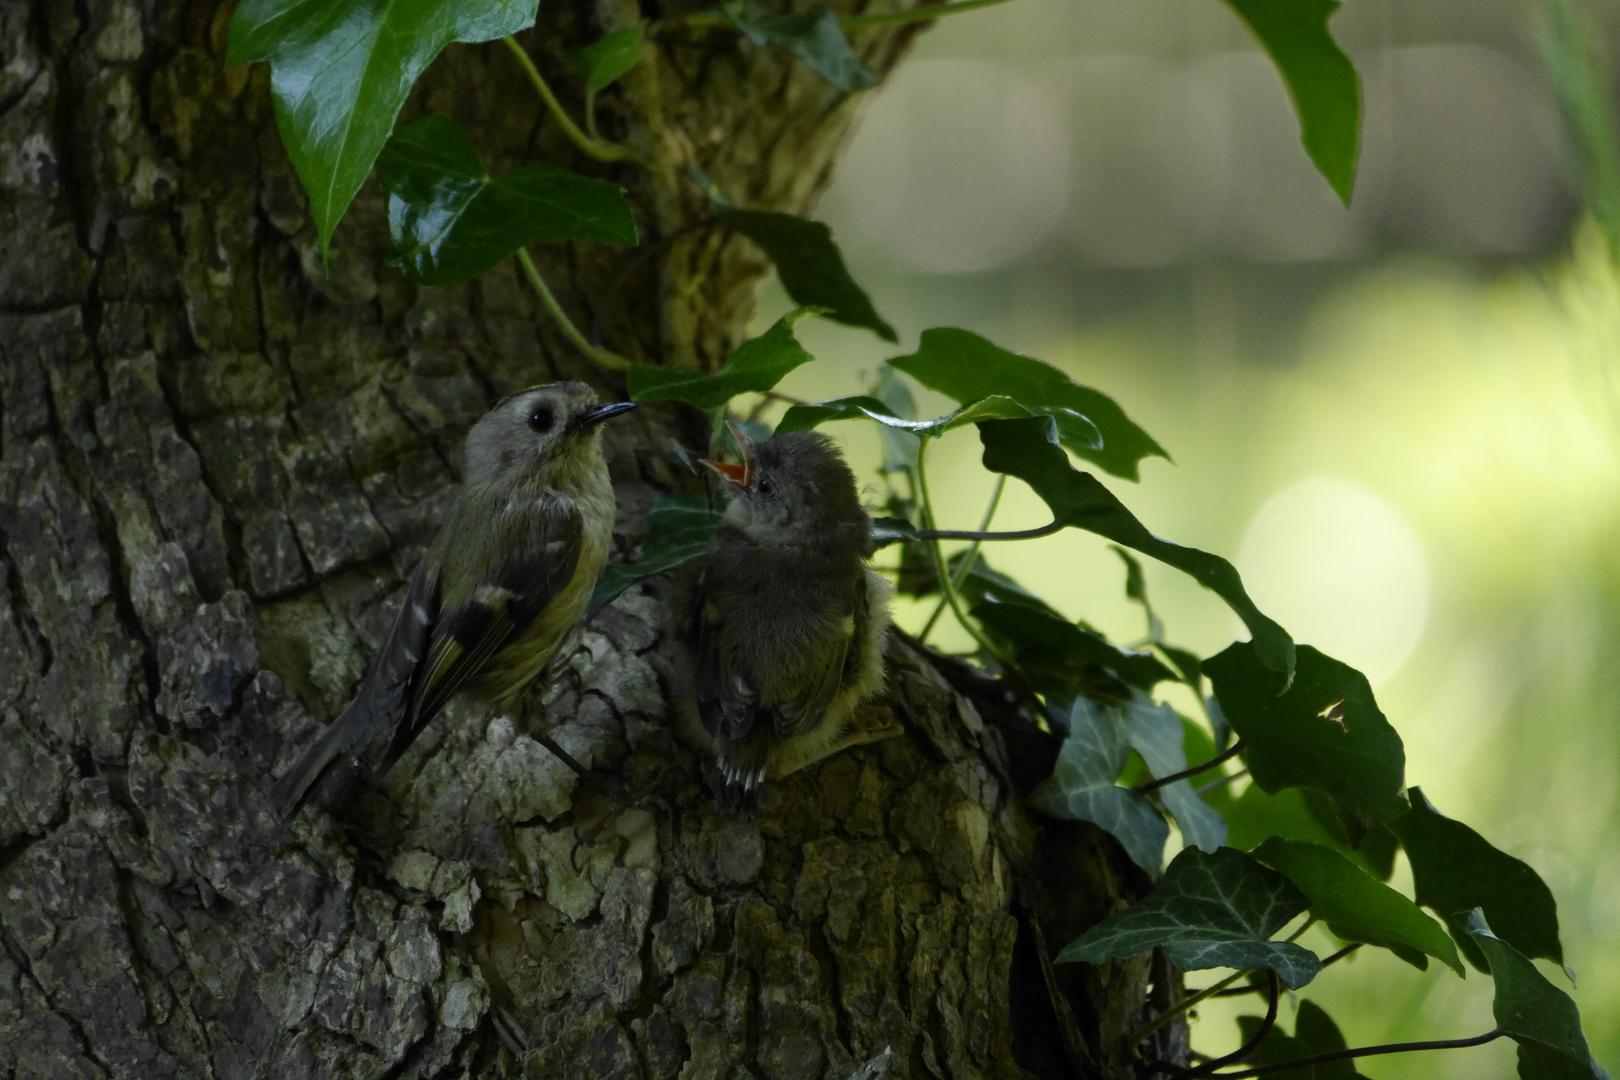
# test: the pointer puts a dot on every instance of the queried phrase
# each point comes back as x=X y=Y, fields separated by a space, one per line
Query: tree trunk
x=220 y=460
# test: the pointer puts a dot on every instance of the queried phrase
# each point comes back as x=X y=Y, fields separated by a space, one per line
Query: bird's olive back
x=527 y=434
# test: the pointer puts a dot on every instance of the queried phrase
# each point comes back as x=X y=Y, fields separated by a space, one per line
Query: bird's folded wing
x=804 y=710
x=378 y=701
x=726 y=695
x=468 y=635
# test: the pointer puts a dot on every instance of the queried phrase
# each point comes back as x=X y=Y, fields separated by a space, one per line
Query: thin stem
x=978 y=535
x=1366 y=1051
x=1164 y=781
x=1247 y=1049
x=602 y=357
x=972 y=552
x=1255 y=988
x=916 y=14
x=1222 y=782
x=945 y=583
x=600 y=149
x=1182 y=1006
x=590 y=114
x=767 y=397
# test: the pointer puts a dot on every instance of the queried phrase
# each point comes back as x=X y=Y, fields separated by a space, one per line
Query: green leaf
x=1314 y=1033
x=602 y=61
x=995 y=407
x=1320 y=78
x=1197 y=744
x=814 y=36
x=1323 y=732
x=1315 y=1030
x=1257 y=815
x=1533 y=1012
x=1058 y=657
x=810 y=265
x=1208 y=911
x=1029 y=450
x=341 y=69
x=899 y=447
x=891 y=530
x=965 y=367
x=678 y=531
x=1136 y=589
x=1358 y=907
x=450 y=221
x=1156 y=732
x=1082 y=786
x=1455 y=870
x=755 y=366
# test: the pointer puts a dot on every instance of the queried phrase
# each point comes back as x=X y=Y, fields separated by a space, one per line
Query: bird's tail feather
x=347 y=735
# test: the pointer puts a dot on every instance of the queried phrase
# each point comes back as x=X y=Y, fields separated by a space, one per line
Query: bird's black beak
x=584 y=421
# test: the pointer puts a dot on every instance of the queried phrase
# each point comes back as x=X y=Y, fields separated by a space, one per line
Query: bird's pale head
x=795 y=490
x=547 y=434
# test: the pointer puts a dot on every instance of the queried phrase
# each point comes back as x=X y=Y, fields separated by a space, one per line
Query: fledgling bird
x=787 y=621
x=509 y=574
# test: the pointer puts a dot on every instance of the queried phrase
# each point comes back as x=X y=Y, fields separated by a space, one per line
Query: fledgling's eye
x=764 y=485
x=541 y=419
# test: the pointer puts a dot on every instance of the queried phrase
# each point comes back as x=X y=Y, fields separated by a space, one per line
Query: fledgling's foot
x=867 y=724
x=870 y=724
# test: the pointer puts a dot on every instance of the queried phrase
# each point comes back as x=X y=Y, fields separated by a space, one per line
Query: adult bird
x=509 y=574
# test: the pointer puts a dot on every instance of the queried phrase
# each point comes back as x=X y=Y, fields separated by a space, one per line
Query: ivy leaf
x=995 y=407
x=891 y=530
x=1314 y=1033
x=1057 y=656
x=965 y=367
x=1324 y=732
x=810 y=265
x=1533 y=1012
x=678 y=531
x=1358 y=907
x=1455 y=870
x=1029 y=450
x=602 y=61
x=1136 y=589
x=1082 y=787
x=1208 y=911
x=755 y=366
x=899 y=447
x=450 y=220
x=1060 y=658
x=341 y=69
x=1157 y=733
x=814 y=36
x=1257 y=814
x=1321 y=80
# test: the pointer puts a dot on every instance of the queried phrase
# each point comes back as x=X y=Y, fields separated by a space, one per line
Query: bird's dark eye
x=541 y=419
x=764 y=485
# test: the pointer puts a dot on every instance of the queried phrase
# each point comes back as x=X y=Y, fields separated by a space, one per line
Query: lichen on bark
x=219 y=458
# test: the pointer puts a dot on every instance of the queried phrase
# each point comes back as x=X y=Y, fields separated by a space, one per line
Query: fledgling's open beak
x=594 y=415
x=738 y=476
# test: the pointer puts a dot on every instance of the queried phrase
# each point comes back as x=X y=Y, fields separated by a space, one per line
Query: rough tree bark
x=219 y=463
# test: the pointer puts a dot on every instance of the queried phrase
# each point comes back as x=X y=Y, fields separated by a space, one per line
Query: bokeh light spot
x=1342 y=569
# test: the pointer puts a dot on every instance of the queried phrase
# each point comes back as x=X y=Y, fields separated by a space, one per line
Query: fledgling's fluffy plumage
x=787 y=622
x=509 y=574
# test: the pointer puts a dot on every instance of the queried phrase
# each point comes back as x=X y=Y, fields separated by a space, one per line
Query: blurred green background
x=1402 y=419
